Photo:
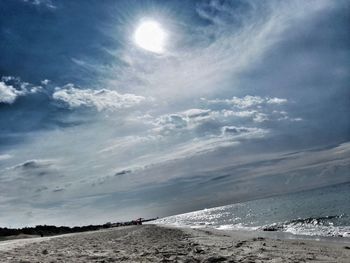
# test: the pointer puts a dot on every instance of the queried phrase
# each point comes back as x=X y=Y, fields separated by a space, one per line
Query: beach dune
x=151 y=243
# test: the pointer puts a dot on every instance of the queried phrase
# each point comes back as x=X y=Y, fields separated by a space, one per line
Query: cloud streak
x=46 y=3
x=247 y=101
x=220 y=51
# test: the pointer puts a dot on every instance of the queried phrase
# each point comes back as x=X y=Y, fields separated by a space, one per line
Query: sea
x=322 y=212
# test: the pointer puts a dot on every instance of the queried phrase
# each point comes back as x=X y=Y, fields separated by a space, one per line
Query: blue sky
x=248 y=99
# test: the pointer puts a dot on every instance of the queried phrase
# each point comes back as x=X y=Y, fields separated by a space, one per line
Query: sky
x=245 y=99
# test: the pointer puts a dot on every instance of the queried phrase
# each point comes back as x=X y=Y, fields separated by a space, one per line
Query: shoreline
x=240 y=232
x=155 y=243
x=269 y=234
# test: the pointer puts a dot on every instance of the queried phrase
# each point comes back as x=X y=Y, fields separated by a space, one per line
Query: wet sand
x=150 y=243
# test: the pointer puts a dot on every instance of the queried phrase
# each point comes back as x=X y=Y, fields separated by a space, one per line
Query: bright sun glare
x=150 y=36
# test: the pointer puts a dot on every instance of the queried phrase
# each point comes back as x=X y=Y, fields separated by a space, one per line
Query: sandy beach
x=150 y=243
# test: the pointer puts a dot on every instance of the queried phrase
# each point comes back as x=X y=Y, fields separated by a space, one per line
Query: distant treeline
x=46 y=230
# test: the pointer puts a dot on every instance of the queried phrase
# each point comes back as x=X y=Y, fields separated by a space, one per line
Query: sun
x=150 y=36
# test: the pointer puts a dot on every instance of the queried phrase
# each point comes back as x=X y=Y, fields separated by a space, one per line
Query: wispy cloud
x=218 y=52
x=5 y=156
x=247 y=101
x=46 y=3
x=28 y=169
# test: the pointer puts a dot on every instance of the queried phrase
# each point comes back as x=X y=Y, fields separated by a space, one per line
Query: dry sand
x=150 y=243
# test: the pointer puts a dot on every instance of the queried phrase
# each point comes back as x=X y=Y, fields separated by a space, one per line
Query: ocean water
x=319 y=212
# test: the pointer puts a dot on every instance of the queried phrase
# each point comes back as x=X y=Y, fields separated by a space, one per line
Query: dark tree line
x=47 y=230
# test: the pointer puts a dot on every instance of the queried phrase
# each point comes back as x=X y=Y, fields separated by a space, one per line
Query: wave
x=312 y=226
x=326 y=226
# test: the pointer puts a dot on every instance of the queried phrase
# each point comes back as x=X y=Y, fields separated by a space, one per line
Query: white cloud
x=249 y=109
x=187 y=119
x=247 y=101
x=5 y=156
x=102 y=99
x=127 y=142
x=255 y=115
x=229 y=136
x=196 y=113
x=8 y=93
x=45 y=82
x=276 y=101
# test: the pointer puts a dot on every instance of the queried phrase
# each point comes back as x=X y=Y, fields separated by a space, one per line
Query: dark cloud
x=56 y=190
x=123 y=172
x=31 y=165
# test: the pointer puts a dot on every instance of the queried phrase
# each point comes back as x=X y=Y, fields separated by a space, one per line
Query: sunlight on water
x=320 y=212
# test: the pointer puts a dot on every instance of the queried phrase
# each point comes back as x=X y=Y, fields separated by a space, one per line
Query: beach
x=153 y=243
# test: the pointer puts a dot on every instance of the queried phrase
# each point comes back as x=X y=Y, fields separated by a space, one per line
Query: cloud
x=246 y=177
x=5 y=156
x=255 y=115
x=30 y=181
x=102 y=99
x=11 y=88
x=233 y=130
x=122 y=172
x=8 y=94
x=248 y=110
x=257 y=108
x=32 y=164
x=210 y=56
x=275 y=101
x=46 y=3
x=28 y=170
x=127 y=142
x=187 y=119
x=199 y=146
x=247 y=101
x=58 y=189
x=211 y=143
